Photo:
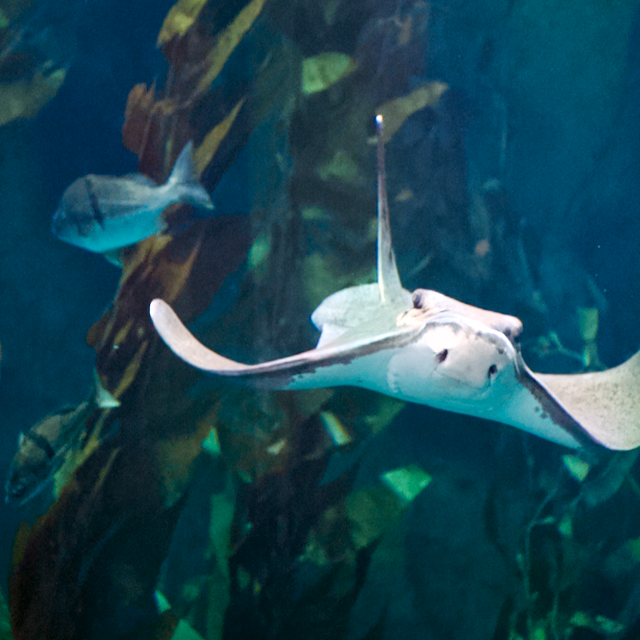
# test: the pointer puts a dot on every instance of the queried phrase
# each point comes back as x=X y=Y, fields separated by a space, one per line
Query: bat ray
x=430 y=349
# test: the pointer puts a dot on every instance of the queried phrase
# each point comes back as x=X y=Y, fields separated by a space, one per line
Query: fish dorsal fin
x=388 y=279
x=184 y=169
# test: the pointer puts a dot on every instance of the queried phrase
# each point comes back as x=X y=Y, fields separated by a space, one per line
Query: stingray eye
x=493 y=369
x=442 y=356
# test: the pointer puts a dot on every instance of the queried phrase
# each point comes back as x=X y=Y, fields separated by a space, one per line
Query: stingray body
x=431 y=349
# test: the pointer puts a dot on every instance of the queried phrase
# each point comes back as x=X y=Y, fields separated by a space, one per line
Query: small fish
x=43 y=449
x=105 y=213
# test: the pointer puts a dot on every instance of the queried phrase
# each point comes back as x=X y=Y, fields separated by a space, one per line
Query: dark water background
x=572 y=172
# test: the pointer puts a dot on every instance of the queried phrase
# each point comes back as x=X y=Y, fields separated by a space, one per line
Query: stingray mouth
x=464 y=383
x=475 y=363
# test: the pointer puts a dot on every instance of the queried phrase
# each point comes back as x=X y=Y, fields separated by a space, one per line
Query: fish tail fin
x=103 y=398
x=184 y=178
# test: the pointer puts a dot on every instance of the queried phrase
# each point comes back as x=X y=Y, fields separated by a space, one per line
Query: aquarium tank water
x=318 y=320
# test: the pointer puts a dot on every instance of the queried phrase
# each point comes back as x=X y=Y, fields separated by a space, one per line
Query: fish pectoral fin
x=114 y=257
x=606 y=404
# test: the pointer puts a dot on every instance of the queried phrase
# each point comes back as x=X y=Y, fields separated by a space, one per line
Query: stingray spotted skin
x=431 y=349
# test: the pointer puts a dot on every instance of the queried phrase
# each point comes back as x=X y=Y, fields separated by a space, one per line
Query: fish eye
x=442 y=356
x=493 y=369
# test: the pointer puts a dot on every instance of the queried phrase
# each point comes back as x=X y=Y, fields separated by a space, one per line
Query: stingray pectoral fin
x=187 y=347
x=606 y=404
x=531 y=407
x=331 y=365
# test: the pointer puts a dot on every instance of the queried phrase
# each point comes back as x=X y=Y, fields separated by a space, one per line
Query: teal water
x=516 y=191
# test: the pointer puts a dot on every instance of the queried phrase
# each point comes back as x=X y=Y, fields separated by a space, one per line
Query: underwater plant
x=31 y=72
x=5 y=624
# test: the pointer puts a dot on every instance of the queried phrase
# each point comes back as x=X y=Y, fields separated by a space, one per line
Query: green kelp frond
x=180 y=19
x=24 y=99
x=5 y=623
x=396 y=111
x=407 y=482
x=321 y=71
x=28 y=80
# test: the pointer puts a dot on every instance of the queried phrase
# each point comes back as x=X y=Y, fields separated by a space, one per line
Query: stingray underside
x=345 y=345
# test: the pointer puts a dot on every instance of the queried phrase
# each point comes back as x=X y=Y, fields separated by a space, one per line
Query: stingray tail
x=388 y=279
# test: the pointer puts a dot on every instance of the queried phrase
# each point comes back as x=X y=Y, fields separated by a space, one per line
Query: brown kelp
x=94 y=515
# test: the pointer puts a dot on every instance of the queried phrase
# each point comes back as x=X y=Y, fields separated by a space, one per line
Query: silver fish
x=43 y=449
x=430 y=349
x=106 y=213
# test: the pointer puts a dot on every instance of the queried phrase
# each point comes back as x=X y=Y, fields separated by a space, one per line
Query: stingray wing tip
x=157 y=308
x=175 y=334
x=186 y=346
x=166 y=321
